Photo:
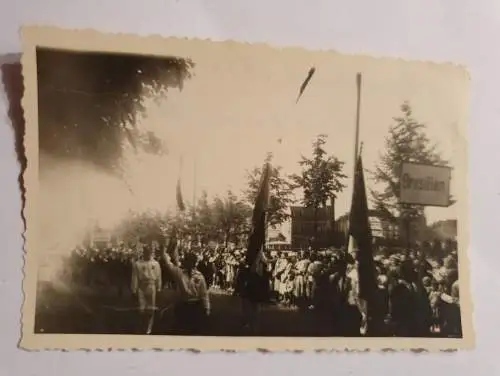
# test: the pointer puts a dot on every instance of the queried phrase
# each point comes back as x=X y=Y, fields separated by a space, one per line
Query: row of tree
x=322 y=177
x=226 y=218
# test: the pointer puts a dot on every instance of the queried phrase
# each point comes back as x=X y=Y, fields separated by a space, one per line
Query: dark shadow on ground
x=62 y=310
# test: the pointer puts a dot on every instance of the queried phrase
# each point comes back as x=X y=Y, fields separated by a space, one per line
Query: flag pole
x=194 y=181
x=356 y=144
x=358 y=113
x=196 y=235
x=179 y=212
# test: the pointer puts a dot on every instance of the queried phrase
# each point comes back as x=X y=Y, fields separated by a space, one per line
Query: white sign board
x=425 y=184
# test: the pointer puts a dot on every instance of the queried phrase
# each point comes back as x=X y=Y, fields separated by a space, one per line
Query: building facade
x=445 y=230
x=382 y=230
x=313 y=227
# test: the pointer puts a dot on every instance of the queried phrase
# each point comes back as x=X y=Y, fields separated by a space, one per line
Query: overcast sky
x=241 y=100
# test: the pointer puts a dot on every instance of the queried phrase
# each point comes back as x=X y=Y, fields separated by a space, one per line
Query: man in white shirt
x=193 y=304
x=146 y=282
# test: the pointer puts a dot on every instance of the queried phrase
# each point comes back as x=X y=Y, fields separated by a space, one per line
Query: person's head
x=189 y=262
x=452 y=276
x=426 y=281
x=147 y=253
x=450 y=263
x=407 y=271
x=382 y=281
x=349 y=259
x=340 y=264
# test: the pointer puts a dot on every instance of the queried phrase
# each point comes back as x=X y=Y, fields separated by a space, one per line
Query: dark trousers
x=347 y=321
x=190 y=318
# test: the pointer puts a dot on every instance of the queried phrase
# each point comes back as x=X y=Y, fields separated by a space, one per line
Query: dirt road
x=104 y=312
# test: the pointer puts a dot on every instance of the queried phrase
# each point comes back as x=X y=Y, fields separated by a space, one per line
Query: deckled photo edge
x=29 y=106
x=90 y=40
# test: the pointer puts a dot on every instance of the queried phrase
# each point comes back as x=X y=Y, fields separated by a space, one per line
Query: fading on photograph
x=240 y=194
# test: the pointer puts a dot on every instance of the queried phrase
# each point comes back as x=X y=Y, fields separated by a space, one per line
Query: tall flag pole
x=360 y=236
x=196 y=234
x=350 y=246
x=194 y=182
x=358 y=114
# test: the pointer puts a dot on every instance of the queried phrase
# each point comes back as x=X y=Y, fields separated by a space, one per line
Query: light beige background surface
x=440 y=91
x=462 y=31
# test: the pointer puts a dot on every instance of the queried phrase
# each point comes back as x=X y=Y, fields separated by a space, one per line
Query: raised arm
x=135 y=282
x=158 y=282
x=205 y=297
x=168 y=262
x=173 y=269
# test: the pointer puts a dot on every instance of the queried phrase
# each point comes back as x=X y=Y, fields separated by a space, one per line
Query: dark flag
x=257 y=237
x=178 y=193
x=360 y=235
x=305 y=83
x=252 y=282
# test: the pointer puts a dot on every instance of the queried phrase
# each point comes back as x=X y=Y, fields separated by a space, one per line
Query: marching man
x=146 y=282
x=193 y=303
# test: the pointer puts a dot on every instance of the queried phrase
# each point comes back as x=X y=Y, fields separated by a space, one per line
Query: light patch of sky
x=241 y=101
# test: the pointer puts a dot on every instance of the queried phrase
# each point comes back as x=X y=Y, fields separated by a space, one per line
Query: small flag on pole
x=180 y=200
x=178 y=190
x=305 y=83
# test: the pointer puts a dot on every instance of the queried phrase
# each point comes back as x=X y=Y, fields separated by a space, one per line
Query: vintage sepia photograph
x=197 y=191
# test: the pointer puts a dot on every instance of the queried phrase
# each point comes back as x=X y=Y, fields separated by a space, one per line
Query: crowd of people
x=112 y=265
x=414 y=295
x=416 y=289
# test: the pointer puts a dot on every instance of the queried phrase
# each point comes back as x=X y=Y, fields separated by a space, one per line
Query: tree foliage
x=205 y=221
x=406 y=142
x=232 y=217
x=321 y=177
x=280 y=192
x=223 y=219
x=89 y=102
x=146 y=226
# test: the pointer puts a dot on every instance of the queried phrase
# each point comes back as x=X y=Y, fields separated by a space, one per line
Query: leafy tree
x=205 y=219
x=89 y=102
x=232 y=217
x=321 y=177
x=280 y=192
x=406 y=142
x=146 y=227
